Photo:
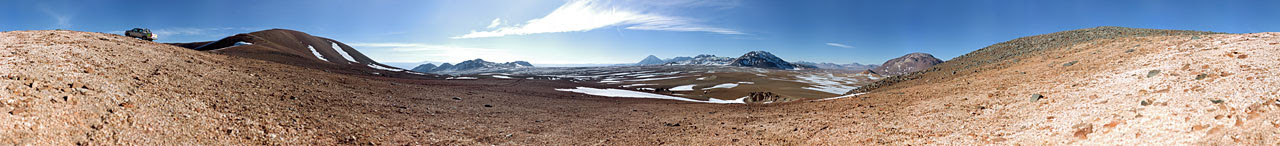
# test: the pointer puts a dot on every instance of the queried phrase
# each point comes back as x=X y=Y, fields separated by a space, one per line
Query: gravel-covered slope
x=1010 y=52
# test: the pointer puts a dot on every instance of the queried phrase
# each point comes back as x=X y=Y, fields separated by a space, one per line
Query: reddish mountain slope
x=300 y=49
x=906 y=64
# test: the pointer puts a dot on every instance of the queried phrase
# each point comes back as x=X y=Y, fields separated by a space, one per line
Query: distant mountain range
x=758 y=59
x=851 y=66
x=703 y=59
x=470 y=66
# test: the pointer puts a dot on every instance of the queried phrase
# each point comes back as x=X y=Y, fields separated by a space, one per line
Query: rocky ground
x=66 y=87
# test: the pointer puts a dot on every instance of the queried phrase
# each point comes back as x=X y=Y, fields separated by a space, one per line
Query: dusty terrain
x=702 y=82
x=66 y=87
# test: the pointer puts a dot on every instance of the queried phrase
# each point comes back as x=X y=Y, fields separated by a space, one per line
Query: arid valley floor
x=1095 y=86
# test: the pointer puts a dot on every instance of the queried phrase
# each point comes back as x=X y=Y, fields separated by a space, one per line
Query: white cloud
x=495 y=23
x=586 y=15
x=839 y=45
x=413 y=52
x=63 y=20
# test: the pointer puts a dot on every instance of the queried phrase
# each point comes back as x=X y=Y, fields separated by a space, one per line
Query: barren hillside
x=67 y=87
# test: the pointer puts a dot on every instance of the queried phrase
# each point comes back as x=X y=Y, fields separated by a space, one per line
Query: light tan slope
x=999 y=55
x=1181 y=89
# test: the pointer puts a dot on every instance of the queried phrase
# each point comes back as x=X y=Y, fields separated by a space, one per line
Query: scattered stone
x=1130 y=50
x=457 y=98
x=1145 y=103
x=487 y=105
x=1036 y=97
x=1242 y=56
x=1201 y=76
x=17 y=111
x=1153 y=73
x=1216 y=101
x=671 y=124
x=127 y=105
x=1195 y=37
x=1083 y=130
x=1069 y=63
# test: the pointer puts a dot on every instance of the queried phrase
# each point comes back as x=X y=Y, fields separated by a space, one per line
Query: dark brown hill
x=299 y=49
x=906 y=64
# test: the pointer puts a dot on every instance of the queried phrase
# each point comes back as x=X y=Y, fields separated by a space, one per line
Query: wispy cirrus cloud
x=62 y=18
x=586 y=15
x=839 y=45
x=495 y=23
x=414 y=52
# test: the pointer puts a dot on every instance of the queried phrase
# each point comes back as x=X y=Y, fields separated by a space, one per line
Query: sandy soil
x=65 y=87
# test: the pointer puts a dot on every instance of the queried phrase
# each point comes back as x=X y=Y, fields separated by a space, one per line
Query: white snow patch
x=844 y=96
x=313 y=51
x=702 y=78
x=742 y=100
x=619 y=74
x=502 y=77
x=460 y=78
x=725 y=85
x=746 y=82
x=637 y=94
x=638 y=85
x=654 y=79
x=383 y=68
x=683 y=88
x=343 y=52
x=828 y=83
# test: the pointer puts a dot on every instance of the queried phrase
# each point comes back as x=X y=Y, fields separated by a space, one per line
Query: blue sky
x=625 y=31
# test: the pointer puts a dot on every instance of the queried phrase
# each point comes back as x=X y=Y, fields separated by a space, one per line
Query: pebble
x=487 y=105
x=1036 y=97
x=457 y=98
x=1153 y=73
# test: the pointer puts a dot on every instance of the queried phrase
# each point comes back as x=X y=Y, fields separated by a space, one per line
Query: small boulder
x=1036 y=97
x=1153 y=73
x=1069 y=63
